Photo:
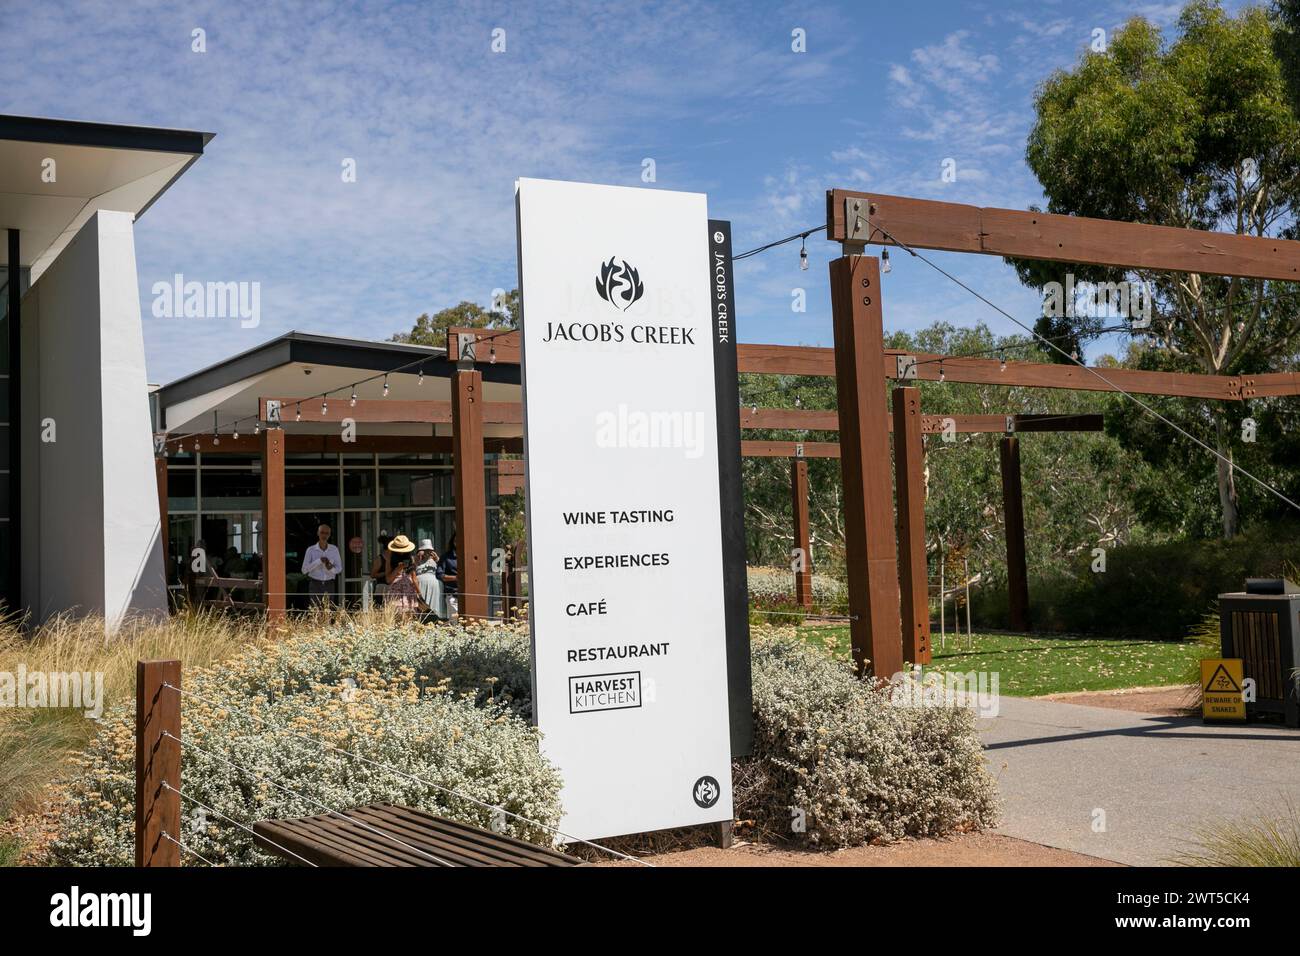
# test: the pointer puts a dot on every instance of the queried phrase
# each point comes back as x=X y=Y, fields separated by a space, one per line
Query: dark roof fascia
x=322 y=350
x=39 y=129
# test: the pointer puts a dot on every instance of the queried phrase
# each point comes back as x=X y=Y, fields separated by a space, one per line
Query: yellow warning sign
x=1221 y=695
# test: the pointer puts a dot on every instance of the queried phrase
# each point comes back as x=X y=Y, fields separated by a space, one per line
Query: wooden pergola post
x=470 y=492
x=157 y=763
x=273 y=550
x=909 y=482
x=864 y=462
x=803 y=595
x=1013 y=510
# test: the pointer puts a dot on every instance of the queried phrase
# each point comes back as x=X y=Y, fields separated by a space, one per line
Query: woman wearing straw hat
x=403 y=593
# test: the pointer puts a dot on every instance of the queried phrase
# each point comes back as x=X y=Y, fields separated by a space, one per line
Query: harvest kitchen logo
x=619 y=284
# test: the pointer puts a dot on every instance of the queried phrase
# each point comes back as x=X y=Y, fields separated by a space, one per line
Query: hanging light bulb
x=941 y=371
x=297 y=413
x=803 y=254
x=353 y=400
x=884 y=261
x=1074 y=355
x=324 y=408
x=196 y=442
x=492 y=355
x=385 y=386
x=235 y=433
x=420 y=380
x=257 y=428
x=1002 y=361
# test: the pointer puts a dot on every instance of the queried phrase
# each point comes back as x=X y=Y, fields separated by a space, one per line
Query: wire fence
x=268 y=777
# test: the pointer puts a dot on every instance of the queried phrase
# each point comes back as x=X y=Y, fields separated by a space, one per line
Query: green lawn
x=1029 y=665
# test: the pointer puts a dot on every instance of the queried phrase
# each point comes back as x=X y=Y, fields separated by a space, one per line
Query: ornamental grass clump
x=836 y=764
x=278 y=732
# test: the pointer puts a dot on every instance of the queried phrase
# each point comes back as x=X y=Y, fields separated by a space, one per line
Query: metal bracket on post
x=857 y=225
x=1011 y=424
x=467 y=349
x=906 y=367
x=273 y=411
x=798 y=449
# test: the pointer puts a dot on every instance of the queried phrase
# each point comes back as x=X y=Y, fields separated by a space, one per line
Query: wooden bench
x=405 y=837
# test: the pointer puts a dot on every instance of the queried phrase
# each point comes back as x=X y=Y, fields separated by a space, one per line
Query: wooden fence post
x=157 y=761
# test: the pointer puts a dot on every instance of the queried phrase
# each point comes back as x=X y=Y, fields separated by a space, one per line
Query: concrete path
x=1155 y=779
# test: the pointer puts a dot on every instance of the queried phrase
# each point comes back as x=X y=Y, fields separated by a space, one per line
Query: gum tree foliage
x=1286 y=45
x=1195 y=131
x=1079 y=487
x=432 y=329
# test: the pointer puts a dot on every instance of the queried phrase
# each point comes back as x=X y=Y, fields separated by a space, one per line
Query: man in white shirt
x=322 y=565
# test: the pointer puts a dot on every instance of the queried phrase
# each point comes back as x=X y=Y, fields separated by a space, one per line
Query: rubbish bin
x=1261 y=625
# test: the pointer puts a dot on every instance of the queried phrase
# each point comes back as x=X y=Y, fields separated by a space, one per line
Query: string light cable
x=1087 y=368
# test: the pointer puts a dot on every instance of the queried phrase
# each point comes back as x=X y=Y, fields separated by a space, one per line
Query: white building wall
x=92 y=541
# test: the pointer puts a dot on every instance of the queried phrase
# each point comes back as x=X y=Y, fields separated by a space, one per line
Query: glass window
x=233 y=543
x=182 y=489
x=359 y=488
x=437 y=526
x=414 y=488
x=245 y=462
x=311 y=489
x=229 y=490
x=310 y=458
x=414 y=458
x=180 y=545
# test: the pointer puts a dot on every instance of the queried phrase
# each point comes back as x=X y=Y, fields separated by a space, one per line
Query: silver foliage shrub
x=834 y=756
x=403 y=699
x=451 y=705
x=776 y=586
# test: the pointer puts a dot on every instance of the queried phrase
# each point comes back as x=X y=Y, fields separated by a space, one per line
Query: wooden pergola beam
x=820 y=362
x=980 y=371
x=388 y=411
x=333 y=444
x=953 y=227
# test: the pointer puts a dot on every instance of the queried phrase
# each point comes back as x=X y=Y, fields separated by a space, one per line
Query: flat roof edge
x=39 y=129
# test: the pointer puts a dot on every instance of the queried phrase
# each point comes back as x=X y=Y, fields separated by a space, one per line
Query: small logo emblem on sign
x=706 y=792
x=619 y=284
x=718 y=237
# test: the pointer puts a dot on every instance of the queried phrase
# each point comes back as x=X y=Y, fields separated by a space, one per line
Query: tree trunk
x=1227 y=480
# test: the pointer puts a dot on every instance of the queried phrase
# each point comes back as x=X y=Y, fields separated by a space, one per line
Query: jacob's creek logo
x=74 y=908
x=592 y=692
x=705 y=793
x=619 y=284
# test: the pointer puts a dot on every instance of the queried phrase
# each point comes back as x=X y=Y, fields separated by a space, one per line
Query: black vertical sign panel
x=735 y=586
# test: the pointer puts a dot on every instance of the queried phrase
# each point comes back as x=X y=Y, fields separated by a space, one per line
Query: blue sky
x=440 y=127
